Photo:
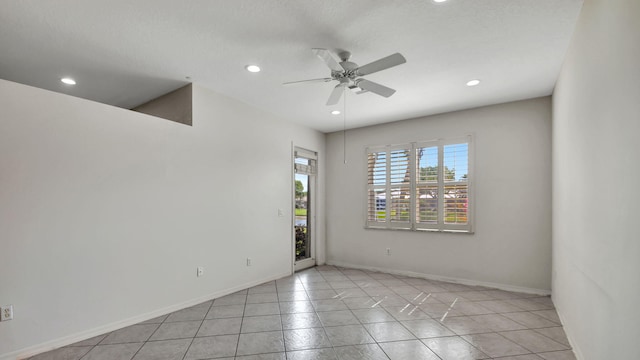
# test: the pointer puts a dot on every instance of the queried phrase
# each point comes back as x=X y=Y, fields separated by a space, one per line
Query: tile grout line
x=381 y=308
x=244 y=310
x=318 y=317
x=391 y=286
x=363 y=325
x=280 y=316
x=197 y=331
x=400 y=322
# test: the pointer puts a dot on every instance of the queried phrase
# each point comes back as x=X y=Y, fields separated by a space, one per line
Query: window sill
x=446 y=231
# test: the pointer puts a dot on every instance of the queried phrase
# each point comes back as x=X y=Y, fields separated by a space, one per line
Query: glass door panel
x=304 y=182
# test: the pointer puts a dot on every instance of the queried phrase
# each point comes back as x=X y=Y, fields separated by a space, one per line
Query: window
x=420 y=186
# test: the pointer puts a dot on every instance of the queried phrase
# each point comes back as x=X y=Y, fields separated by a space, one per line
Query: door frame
x=311 y=225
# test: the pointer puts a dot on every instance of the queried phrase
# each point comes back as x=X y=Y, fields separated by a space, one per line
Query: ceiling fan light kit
x=349 y=74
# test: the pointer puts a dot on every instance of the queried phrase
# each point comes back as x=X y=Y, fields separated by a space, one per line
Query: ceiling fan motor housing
x=348 y=66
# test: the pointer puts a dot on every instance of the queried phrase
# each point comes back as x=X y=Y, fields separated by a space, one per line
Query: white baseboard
x=83 y=335
x=576 y=350
x=505 y=287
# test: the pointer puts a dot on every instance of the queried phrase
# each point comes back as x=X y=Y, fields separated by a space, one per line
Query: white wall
x=596 y=174
x=512 y=241
x=105 y=213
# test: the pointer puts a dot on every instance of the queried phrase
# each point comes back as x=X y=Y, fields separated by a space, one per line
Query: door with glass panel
x=304 y=208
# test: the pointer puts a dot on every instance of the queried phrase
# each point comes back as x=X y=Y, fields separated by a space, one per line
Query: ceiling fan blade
x=328 y=59
x=336 y=94
x=375 y=88
x=378 y=65
x=308 y=81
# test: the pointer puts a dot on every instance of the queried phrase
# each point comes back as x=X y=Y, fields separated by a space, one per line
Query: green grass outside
x=301 y=212
x=450 y=218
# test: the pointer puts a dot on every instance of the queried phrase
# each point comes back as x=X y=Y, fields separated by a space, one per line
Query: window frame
x=412 y=224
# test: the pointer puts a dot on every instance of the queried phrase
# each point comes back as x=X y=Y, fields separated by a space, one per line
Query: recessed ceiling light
x=252 y=68
x=68 y=81
x=439 y=1
x=335 y=112
x=473 y=82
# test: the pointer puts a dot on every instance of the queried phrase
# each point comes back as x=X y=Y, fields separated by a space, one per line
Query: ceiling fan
x=349 y=74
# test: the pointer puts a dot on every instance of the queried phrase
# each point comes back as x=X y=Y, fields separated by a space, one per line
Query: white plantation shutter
x=309 y=169
x=427 y=189
x=305 y=162
x=399 y=191
x=420 y=186
x=389 y=187
x=456 y=187
x=376 y=187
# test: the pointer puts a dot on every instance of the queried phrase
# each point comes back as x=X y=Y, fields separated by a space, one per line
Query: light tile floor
x=328 y=312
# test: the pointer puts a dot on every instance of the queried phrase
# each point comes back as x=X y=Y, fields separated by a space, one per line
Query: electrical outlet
x=248 y=261
x=388 y=251
x=6 y=313
x=280 y=213
x=200 y=271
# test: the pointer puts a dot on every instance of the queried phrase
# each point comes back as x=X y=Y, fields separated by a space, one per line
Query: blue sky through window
x=379 y=168
x=455 y=158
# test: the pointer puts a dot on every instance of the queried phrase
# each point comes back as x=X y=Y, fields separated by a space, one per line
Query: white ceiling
x=124 y=52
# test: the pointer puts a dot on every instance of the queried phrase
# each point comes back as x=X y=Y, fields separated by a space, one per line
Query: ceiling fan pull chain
x=344 y=128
